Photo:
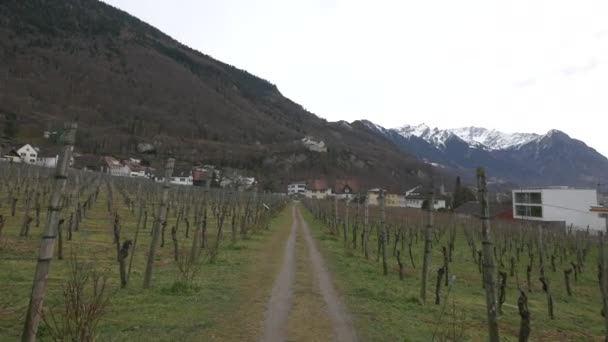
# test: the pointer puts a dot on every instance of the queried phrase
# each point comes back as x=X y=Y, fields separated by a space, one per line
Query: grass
x=387 y=309
x=208 y=309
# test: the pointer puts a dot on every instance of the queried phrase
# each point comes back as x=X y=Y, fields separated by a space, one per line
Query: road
x=304 y=304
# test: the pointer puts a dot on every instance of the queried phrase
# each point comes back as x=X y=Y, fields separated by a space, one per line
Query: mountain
x=518 y=158
x=137 y=92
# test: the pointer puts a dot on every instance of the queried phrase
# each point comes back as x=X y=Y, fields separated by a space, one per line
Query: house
x=373 y=196
x=564 y=204
x=202 y=175
x=346 y=189
x=391 y=200
x=317 y=189
x=296 y=188
x=114 y=167
x=416 y=197
x=473 y=209
x=28 y=154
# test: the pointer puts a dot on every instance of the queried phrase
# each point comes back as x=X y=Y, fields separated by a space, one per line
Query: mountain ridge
x=127 y=84
x=553 y=158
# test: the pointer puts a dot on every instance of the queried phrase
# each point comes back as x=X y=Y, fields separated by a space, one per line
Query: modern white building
x=296 y=188
x=558 y=204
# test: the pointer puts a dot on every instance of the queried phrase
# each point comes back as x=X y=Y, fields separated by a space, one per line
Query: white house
x=28 y=154
x=562 y=204
x=415 y=198
x=346 y=189
x=296 y=188
x=114 y=167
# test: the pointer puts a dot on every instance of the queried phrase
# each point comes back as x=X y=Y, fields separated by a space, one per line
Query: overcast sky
x=517 y=66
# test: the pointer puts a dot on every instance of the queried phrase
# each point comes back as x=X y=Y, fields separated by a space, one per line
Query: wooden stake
x=45 y=252
x=428 y=235
x=488 y=262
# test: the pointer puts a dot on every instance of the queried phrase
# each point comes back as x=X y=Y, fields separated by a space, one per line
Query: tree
x=461 y=194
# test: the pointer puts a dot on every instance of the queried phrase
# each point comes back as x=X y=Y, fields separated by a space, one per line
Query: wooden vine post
x=160 y=219
x=488 y=262
x=47 y=244
x=428 y=239
x=383 y=231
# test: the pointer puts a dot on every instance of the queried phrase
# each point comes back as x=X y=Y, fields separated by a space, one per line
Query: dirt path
x=304 y=305
x=275 y=326
x=341 y=319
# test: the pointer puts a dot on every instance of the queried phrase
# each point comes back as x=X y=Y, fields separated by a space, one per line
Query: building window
x=32 y=160
x=528 y=197
x=529 y=210
x=32 y=155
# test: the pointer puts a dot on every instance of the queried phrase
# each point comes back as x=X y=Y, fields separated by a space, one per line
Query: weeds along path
x=304 y=305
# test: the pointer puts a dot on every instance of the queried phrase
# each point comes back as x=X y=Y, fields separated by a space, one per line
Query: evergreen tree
x=461 y=194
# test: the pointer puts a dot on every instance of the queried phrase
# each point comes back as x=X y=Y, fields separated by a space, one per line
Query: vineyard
x=132 y=259
x=546 y=282
x=86 y=256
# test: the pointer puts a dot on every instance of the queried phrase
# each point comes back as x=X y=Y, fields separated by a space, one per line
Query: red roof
x=317 y=185
x=342 y=184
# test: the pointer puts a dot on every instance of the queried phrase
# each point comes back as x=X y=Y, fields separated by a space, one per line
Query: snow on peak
x=419 y=131
x=489 y=139
x=492 y=139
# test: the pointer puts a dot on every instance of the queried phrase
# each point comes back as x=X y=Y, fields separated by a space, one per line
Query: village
x=205 y=175
x=557 y=207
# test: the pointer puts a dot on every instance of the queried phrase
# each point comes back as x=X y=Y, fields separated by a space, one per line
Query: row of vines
x=81 y=215
x=518 y=261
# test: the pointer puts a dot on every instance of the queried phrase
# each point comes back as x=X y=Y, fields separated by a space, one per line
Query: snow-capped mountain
x=552 y=158
x=489 y=139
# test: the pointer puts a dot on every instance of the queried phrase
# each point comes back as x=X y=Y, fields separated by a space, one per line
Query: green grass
x=387 y=309
x=171 y=310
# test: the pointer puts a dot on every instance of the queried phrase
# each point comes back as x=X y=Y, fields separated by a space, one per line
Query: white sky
x=517 y=65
